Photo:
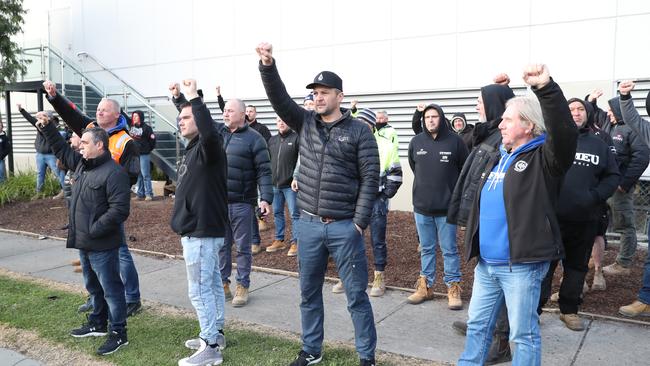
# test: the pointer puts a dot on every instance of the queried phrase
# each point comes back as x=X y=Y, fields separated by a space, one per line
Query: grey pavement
x=422 y=331
x=12 y=358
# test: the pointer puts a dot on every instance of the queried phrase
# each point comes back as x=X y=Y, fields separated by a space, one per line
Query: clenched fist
x=175 y=89
x=50 y=88
x=626 y=86
x=536 y=75
x=265 y=51
x=189 y=89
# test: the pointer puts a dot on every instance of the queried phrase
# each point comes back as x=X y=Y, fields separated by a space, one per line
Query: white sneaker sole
x=113 y=351
x=91 y=334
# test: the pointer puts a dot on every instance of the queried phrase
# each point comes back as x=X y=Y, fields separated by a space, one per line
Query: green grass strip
x=154 y=339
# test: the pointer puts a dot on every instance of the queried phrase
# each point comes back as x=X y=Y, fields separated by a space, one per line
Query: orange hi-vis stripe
x=116 y=143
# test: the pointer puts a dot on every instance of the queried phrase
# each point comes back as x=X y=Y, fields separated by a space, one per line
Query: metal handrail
x=135 y=93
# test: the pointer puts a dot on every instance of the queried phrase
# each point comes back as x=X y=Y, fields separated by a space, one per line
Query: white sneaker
x=338 y=288
x=204 y=356
x=196 y=342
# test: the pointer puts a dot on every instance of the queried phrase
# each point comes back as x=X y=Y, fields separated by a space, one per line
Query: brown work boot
x=616 y=269
x=293 y=249
x=422 y=292
x=277 y=245
x=226 y=290
x=454 y=301
x=241 y=296
x=636 y=308
x=573 y=322
x=599 y=283
x=378 y=285
x=76 y=262
x=256 y=249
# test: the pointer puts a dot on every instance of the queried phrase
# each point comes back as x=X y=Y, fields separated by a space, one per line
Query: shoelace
x=377 y=282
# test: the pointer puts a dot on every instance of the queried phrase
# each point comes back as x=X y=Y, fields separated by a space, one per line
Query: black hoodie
x=436 y=164
x=632 y=153
x=142 y=135
x=466 y=133
x=40 y=143
x=487 y=139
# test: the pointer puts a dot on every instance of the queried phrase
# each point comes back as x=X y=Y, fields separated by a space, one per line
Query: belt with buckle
x=324 y=220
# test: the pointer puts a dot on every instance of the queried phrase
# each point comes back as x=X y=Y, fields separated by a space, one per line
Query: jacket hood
x=459 y=116
x=444 y=123
x=121 y=125
x=140 y=114
x=615 y=105
x=495 y=97
x=591 y=124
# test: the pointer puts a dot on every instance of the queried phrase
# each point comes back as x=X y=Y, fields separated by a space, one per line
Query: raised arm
x=288 y=110
x=68 y=157
x=210 y=139
x=68 y=111
x=416 y=121
x=630 y=114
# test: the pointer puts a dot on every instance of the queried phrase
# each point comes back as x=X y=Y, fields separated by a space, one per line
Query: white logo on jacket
x=520 y=166
x=421 y=152
x=585 y=159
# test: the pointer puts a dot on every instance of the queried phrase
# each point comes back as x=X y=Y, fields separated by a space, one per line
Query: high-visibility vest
x=116 y=142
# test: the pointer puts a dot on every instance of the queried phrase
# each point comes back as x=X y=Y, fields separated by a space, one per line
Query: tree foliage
x=11 y=22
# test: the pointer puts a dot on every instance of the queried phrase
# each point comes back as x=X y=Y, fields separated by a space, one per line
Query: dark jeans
x=239 y=233
x=578 y=239
x=378 y=233
x=644 y=293
x=101 y=272
x=128 y=272
x=345 y=244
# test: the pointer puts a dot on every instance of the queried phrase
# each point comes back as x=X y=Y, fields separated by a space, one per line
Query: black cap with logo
x=327 y=79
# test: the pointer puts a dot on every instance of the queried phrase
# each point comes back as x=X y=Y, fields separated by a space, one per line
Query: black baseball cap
x=327 y=79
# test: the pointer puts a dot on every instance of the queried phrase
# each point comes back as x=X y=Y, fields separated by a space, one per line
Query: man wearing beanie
x=463 y=129
x=390 y=179
x=339 y=170
x=632 y=155
x=436 y=157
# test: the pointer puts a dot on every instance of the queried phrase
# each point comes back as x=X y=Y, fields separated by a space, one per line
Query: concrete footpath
x=423 y=331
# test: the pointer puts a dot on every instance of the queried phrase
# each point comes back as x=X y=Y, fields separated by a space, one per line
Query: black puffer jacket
x=284 y=157
x=100 y=197
x=339 y=161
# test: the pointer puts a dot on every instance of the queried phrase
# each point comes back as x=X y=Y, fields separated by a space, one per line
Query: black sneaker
x=365 y=362
x=89 y=330
x=460 y=327
x=133 y=308
x=113 y=343
x=305 y=359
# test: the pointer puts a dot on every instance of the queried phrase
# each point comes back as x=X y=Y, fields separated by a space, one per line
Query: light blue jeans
x=42 y=162
x=280 y=196
x=520 y=286
x=204 y=285
x=144 y=179
x=433 y=230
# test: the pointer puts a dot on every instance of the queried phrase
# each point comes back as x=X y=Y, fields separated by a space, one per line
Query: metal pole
x=9 y=133
x=125 y=97
x=39 y=99
x=83 y=94
x=43 y=73
x=62 y=77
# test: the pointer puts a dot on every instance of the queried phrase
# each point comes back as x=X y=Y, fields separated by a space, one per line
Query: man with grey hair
x=249 y=167
x=124 y=151
x=44 y=156
x=99 y=205
x=512 y=226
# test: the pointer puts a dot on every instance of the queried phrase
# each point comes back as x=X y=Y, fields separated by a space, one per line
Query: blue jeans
x=345 y=244
x=144 y=179
x=644 y=293
x=378 y=233
x=42 y=162
x=3 y=173
x=128 y=272
x=239 y=233
x=101 y=272
x=204 y=286
x=520 y=286
x=280 y=195
x=431 y=231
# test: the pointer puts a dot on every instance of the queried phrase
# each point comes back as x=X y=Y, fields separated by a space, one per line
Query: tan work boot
x=241 y=296
x=454 y=301
x=293 y=249
x=616 y=269
x=555 y=297
x=256 y=249
x=599 y=283
x=277 y=245
x=338 y=288
x=226 y=291
x=636 y=308
x=148 y=198
x=422 y=292
x=76 y=262
x=573 y=322
x=378 y=285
